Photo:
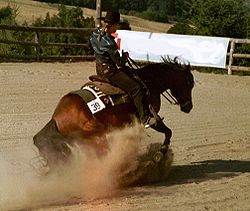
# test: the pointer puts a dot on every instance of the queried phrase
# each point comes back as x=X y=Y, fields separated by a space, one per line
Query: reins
x=173 y=102
x=169 y=98
x=131 y=62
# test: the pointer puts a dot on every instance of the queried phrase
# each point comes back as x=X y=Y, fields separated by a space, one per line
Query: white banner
x=198 y=50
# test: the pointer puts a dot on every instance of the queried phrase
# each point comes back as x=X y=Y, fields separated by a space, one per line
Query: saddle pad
x=106 y=87
x=99 y=96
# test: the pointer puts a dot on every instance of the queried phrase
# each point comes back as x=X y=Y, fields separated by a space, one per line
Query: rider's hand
x=125 y=54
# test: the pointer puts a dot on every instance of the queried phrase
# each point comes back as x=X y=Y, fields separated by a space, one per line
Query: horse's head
x=172 y=75
x=182 y=84
x=182 y=88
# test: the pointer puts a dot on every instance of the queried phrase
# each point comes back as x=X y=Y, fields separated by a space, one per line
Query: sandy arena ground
x=211 y=145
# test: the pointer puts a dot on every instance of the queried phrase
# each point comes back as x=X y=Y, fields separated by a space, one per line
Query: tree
x=67 y=17
x=223 y=18
x=8 y=14
x=181 y=28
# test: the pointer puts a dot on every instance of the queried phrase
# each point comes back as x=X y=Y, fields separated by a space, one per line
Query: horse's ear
x=188 y=66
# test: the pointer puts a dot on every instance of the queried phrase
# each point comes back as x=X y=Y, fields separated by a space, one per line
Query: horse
x=88 y=114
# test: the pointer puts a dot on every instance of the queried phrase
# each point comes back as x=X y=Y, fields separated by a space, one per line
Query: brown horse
x=74 y=120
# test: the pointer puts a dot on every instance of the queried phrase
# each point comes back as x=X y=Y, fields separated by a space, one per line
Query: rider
x=110 y=65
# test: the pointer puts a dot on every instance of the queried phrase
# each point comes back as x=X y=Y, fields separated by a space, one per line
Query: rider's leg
x=135 y=90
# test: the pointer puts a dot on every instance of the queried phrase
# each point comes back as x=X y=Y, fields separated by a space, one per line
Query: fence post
x=37 y=47
x=98 y=13
x=229 y=71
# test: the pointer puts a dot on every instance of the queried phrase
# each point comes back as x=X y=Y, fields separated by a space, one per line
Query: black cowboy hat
x=112 y=17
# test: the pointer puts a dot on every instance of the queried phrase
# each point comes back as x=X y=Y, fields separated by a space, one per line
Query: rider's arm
x=110 y=46
x=115 y=56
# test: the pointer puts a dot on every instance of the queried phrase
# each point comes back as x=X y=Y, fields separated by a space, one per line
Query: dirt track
x=211 y=145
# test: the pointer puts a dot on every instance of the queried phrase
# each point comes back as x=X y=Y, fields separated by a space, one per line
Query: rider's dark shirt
x=106 y=52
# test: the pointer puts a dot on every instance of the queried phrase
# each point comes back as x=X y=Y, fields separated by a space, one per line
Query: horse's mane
x=175 y=63
x=169 y=64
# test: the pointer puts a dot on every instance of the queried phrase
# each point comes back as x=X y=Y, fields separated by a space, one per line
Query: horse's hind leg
x=74 y=119
x=52 y=145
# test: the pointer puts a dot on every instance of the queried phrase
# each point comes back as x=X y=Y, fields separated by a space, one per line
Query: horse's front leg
x=161 y=127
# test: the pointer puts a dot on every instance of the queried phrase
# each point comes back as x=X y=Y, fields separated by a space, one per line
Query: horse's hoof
x=158 y=156
x=164 y=149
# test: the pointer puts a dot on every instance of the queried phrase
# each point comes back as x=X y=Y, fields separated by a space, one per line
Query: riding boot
x=137 y=93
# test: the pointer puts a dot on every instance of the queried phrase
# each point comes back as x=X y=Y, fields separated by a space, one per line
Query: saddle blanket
x=101 y=95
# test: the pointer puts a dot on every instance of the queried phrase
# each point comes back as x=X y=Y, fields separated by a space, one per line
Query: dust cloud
x=87 y=177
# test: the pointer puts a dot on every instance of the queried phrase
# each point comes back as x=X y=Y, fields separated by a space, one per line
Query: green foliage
x=8 y=15
x=242 y=49
x=224 y=18
x=181 y=28
x=5 y=13
x=178 y=9
x=124 y=25
x=151 y=15
x=149 y=9
x=65 y=18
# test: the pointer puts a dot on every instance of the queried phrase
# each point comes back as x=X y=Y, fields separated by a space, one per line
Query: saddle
x=98 y=93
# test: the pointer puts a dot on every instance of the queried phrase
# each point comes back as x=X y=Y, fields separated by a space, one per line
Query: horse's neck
x=156 y=79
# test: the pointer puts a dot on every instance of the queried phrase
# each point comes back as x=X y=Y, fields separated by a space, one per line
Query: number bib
x=96 y=105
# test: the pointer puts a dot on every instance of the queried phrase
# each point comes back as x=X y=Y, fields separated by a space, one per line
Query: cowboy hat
x=112 y=17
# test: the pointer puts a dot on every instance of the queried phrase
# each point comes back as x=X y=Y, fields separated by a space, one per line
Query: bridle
x=169 y=97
